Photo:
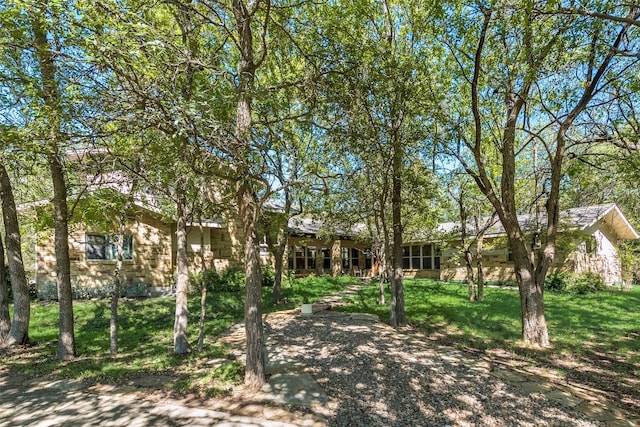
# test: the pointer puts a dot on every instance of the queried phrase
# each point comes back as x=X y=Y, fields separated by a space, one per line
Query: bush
x=587 y=283
x=268 y=275
x=48 y=291
x=557 y=282
x=230 y=280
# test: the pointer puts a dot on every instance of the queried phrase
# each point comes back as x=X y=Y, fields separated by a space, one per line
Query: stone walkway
x=290 y=384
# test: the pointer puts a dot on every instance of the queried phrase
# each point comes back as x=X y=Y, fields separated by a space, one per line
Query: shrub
x=268 y=275
x=557 y=281
x=48 y=291
x=587 y=283
x=229 y=280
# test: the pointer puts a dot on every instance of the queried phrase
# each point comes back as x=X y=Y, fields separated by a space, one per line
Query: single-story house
x=587 y=241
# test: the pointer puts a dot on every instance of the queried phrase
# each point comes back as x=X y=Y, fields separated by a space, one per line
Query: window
x=425 y=257
x=326 y=258
x=300 y=250
x=105 y=247
x=355 y=257
x=344 y=255
x=311 y=257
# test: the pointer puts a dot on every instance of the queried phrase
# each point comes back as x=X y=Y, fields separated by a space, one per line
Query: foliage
x=629 y=252
x=229 y=280
x=587 y=283
x=268 y=275
x=557 y=281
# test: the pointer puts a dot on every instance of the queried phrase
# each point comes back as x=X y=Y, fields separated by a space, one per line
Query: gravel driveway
x=375 y=375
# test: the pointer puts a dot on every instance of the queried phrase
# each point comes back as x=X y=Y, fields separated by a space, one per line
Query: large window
x=105 y=247
x=350 y=258
x=421 y=257
x=305 y=257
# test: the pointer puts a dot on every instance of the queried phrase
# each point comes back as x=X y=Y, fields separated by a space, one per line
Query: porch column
x=336 y=260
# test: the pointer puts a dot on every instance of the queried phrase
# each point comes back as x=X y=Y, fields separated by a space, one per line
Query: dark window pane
x=406 y=251
x=415 y=262
x=426 y=263
x=426 y=250
x=436 y=261
x=405 y=262
x=96 y=246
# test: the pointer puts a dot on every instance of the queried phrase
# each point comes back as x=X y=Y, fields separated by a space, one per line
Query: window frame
x=426 y=259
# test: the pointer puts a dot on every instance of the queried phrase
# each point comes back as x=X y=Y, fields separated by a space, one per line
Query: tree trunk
x=66 y=340
x=5 y=319
x=247 y=204
x=480 y=275
x=255 y=376
x=117 y=273
x=19 y=331
x=468 y=259
x=382 y=271
x=398 y=316
x=180 y=341
x=203 y=289
x=281 y=248
x=117 y=285
x=51 y=98
x=534 y=325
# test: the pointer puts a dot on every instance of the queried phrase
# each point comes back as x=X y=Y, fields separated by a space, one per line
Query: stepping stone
x=297 y=389
x=365 y=317
x=564 y=398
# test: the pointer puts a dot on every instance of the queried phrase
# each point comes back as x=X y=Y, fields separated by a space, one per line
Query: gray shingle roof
x=580 y=218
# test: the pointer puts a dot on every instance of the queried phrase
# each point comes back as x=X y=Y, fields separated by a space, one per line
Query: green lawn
x=146 y=338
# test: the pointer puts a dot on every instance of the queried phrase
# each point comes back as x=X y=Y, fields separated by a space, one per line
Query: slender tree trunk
x=51 y=98
x=180 y=341
x=468 y=259
x=117 y=285
x=66 y=340
x=255 y=375
x=203 y=289
x=381 y=255
x=5 y=319
x=479 y=249
x=398 y=316
x=281 y=248
x=117 y=273
x=19 y=332
x=247 y=204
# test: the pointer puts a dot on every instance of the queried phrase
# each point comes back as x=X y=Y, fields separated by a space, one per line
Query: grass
x=609 y=319
x=146 y=338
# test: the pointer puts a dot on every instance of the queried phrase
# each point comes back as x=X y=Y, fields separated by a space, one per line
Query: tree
x=19 y=332
x=52 y=114
x=375 y=90
x=556 y=89
x=5 y=319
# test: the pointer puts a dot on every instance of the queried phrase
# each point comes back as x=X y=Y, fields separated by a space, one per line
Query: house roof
x=580 y=218
x=312 y=227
